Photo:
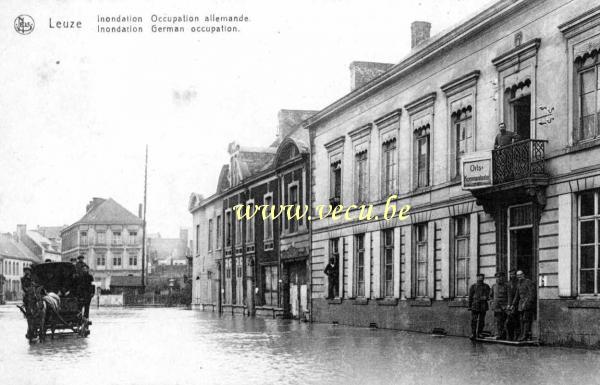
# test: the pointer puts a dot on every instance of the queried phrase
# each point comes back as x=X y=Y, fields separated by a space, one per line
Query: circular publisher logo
x=24 y=24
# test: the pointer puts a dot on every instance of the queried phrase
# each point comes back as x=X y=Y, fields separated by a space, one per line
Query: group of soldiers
x=81 y=283
x=513 y=304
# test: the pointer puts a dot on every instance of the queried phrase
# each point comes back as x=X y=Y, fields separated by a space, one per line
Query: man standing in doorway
x=499 y=299
x=512 y=319
x=479 y=294
x=524 y=303
x=332 y=272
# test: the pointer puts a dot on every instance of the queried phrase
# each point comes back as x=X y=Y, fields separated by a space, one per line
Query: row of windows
x=117 y=260
x=421 y=260
x=14 y=267
x=268 y=294
x=116 y=238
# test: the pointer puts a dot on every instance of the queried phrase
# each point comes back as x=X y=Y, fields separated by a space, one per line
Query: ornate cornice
x=461 y=83
x=517 y=54
x=581 y=23
x=389 y=118
x=361 y=132
x=421 y=103
x=335 y=143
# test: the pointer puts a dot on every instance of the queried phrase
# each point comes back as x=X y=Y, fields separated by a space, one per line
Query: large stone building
x=533 y=65
x=110 y=238
x=256 y=266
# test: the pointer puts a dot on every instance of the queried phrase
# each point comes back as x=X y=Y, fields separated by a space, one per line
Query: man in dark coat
x=499 y=304
x=512 y=317
x=524 y=302
x=80 y=264
x=26 y=284
x=332 y=272
x=479 y=294
x=504 y=137
x=85 y=290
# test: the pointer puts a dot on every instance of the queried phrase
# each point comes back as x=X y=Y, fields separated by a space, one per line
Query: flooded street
x=176 y=346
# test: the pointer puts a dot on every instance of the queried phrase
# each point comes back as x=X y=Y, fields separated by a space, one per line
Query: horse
x=36 y=311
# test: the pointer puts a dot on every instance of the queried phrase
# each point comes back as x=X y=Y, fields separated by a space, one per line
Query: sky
x=78 y=107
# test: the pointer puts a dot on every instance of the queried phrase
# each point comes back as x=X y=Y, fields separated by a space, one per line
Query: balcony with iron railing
x=518 y=175
x=521 y=160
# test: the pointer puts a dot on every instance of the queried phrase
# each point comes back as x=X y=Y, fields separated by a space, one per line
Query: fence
x=153 y=299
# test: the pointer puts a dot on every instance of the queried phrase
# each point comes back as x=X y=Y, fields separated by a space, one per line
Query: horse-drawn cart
x=55 y=301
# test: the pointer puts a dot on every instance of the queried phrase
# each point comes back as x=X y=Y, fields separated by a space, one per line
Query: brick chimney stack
x=362 y=72
x=419 y=32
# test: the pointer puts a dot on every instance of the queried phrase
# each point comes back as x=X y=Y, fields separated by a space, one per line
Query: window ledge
x=361 y=301
x=334 y=301
x=583 y=145
x=421 y=302
x=458 y=303
x=591 y=303
x=387 y=302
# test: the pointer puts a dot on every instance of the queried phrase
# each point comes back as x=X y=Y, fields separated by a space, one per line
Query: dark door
x=522 y=115
x=522 y=253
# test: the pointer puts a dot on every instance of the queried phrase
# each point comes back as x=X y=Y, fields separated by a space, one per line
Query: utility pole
x=144 y=224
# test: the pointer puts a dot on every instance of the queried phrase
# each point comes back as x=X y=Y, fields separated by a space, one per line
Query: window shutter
x=473 y=247
x=397 y=247
x=431 y=259
x=445 y=256
x=351 y=255
x=408 y=260
x=368 y=257
x=565 y=223
x=376 y=235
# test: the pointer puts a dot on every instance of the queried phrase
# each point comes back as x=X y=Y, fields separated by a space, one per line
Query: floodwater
x=177 y=346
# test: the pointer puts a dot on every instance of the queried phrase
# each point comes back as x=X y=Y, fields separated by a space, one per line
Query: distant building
x=43 y=247
x=110 y=238
x=14 y=256
x=167 y=251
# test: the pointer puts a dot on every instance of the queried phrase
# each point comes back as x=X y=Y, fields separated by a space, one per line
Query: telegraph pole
x=144 y=224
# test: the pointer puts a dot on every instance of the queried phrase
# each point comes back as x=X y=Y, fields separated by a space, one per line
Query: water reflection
x=175 y=346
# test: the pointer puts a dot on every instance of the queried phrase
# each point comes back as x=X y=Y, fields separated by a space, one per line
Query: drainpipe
x=310 y=233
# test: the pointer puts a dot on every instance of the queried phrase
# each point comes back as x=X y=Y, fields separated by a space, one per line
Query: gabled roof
x=45 y=243
x=110 y=212
x=10 y=248
x=50 y=231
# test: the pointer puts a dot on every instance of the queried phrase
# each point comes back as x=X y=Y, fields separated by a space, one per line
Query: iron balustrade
x=519 y=160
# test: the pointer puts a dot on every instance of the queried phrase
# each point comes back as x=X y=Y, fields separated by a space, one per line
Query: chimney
x=21 y=230
x=140 y=211
x=290 y=120
x=93 y=203
x=362 y=72
x=419 y=32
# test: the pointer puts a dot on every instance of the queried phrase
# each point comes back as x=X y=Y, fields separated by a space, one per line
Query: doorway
x=297 y=290
x=522 y=116
x=521 y=242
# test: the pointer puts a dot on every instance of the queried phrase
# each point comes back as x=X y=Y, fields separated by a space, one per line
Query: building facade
x=14 y=256
x=110 y=239
x=407 y=134
x=44 y=248
x=261 y=265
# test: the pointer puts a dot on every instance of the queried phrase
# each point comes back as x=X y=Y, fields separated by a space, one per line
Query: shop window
x=461 y=256
x=270 y=285
x=388 y=263
x=421 y=260
x=359 y=264
x=589 y=242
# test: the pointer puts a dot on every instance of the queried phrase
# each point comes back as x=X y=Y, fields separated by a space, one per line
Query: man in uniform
x=499 y=299
x=332 y=272
x=479 y=294
x=512 y=317
x=504 y=138
x=26 y=284
x=524 y=303
x=85 y=290
x=80 y=264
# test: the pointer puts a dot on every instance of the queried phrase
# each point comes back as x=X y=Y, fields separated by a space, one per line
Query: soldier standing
x=26 y=284
x=504 y=138
x=85 y=290
x=479 y=294
x=524 y=303
x=512 y=318
x=499 y=299
x=332 y=272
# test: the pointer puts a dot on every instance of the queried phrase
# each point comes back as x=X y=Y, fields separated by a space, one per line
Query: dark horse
x=38 y=310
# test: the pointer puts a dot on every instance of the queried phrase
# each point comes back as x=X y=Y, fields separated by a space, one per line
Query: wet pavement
x=177 y=346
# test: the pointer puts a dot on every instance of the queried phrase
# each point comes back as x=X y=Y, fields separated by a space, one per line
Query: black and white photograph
x=326 y=192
